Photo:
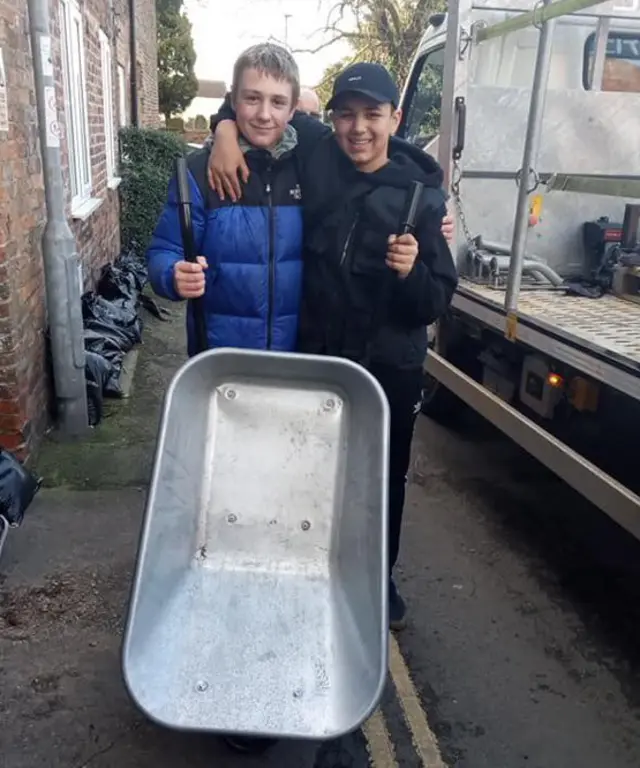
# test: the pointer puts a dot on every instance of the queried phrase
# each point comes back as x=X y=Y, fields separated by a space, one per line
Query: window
x=422 y=121
x=75 y=102
x=122 y=97
x=107 y=101
x=621 y=64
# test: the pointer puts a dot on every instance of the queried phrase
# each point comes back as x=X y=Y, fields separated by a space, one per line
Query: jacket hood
x=408 y=163
x=287 y=143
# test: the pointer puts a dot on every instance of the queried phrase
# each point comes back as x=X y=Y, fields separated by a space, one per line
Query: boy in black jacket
x=368 y=293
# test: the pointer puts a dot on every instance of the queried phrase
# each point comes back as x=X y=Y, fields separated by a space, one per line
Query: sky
x=222 y=29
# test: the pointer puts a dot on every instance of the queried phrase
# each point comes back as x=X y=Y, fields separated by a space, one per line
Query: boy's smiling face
x=264 y=106
x=363 y=129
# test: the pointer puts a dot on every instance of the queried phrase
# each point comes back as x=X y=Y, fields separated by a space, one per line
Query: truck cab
x=510 y=62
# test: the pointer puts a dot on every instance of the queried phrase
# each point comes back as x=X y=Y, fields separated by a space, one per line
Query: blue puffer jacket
x=253 y=249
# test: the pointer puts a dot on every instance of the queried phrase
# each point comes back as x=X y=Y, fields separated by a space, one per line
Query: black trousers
x=403 y=389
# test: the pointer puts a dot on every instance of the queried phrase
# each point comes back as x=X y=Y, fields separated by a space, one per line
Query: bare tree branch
x=276 y=41
x=339 y=36
x=386 y=31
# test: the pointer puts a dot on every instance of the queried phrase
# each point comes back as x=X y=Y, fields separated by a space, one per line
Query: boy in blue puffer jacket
x=250 y=267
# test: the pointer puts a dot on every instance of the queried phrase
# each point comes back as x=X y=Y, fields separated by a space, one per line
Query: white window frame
x=76 y=107
x=107 y=103
x=122 y=97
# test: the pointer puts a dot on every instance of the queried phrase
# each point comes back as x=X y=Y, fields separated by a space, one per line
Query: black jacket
x=353 y=305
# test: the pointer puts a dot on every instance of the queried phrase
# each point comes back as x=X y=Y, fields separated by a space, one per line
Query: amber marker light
x=555 y=380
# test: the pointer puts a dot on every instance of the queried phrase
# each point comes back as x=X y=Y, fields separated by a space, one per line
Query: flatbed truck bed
x=599 y=337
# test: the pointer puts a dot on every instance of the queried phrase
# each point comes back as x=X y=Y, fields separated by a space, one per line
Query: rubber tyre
x=249 y=746
x=438 y=402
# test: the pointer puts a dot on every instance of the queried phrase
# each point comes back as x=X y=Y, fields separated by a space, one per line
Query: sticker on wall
x=4 y=104
x=45 y=56
x=51 y=117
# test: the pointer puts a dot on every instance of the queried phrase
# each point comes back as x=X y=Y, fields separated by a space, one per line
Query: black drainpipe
x=134 y=64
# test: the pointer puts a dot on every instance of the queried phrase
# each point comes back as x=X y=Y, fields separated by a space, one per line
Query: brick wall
x=23 y=381
x=620 y=75
x=147 y=54
x=22 y=309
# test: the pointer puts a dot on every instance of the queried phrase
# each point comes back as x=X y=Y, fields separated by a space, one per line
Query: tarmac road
x=521 y=652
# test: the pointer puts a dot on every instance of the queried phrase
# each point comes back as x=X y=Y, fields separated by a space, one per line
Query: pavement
x=521 y=649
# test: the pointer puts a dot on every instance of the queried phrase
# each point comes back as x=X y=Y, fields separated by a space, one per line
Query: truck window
x=422 y=121
x=621 y=65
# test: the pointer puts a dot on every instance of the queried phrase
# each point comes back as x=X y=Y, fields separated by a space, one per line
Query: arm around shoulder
x=309 y=129
x=226 y=112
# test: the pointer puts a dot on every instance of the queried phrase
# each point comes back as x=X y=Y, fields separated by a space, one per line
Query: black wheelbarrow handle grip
x=189 y=247
x=409 y=215
x=184 y=210
x=410 y=212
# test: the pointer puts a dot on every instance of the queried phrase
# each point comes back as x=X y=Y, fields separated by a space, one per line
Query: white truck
x=533 y=110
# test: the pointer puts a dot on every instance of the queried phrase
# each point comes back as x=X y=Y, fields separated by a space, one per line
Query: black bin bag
x=18 y=486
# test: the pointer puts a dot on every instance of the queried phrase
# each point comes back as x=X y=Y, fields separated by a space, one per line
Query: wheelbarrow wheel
x=249 y=746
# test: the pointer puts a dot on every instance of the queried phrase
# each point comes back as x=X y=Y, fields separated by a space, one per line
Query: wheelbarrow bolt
x=201 y=686
x=232 y=519
x=329 y=404
x=230 y=394
x=305 y=525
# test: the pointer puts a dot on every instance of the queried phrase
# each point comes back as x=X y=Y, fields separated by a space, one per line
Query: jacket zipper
x=272 y=264
x=347 y=243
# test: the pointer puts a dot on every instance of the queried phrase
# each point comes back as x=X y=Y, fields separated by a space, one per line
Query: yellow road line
x=379 y=744
x=424 y=740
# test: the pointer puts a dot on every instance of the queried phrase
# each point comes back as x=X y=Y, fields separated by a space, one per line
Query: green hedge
x=147 y=161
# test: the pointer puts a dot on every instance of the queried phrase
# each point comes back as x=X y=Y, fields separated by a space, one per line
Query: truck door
x=422 y=100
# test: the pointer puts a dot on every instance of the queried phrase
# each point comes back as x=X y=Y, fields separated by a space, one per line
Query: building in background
x=208 y=100
x=91 y=54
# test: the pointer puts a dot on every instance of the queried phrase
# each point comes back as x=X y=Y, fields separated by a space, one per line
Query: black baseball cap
x=370 y=80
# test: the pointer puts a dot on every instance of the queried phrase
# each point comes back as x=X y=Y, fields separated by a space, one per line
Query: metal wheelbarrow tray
x=259 y=602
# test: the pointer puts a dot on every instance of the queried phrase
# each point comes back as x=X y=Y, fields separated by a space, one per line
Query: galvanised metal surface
x=617 y=9
x=584 y=132
x=608 y=323
x=606 y=121
x=259 y=604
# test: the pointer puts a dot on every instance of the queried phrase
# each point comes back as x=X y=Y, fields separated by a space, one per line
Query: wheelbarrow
x=259 y=601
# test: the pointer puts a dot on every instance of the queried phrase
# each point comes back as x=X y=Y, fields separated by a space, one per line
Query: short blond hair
x=268 y=59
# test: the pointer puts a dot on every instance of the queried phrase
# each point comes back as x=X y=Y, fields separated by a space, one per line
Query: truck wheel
x=249 y=746
x=438 y=402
